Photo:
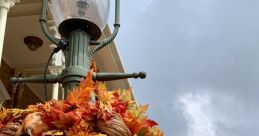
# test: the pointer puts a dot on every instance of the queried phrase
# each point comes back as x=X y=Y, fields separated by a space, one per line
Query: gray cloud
x=188 y=46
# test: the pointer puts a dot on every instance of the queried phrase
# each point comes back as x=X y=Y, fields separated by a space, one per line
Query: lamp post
x=80 y=23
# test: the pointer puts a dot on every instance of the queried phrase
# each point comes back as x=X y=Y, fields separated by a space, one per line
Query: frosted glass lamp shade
x=87 y=15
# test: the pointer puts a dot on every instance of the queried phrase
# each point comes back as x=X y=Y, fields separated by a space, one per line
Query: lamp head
x=87 y=15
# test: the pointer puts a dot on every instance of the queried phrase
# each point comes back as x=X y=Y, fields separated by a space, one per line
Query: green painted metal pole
x=77 y=58
x=43 y=23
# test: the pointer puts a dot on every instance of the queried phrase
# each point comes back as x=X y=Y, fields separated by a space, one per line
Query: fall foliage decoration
x=89 y=110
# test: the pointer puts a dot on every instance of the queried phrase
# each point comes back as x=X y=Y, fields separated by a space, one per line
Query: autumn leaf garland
x=78 y=114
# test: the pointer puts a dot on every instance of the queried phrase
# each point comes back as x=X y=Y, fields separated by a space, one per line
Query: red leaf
x=151 y=123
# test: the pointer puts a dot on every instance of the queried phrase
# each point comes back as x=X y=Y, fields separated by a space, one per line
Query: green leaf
x=142 y=132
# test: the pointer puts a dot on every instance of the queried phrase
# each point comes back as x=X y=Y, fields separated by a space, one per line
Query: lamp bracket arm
x=105 y=42
x=108 y=40
x=50 y=79
x=117 y=76
x=43 y=24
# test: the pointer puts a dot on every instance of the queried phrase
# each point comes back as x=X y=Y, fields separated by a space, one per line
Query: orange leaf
x=94 y=66
x=65 y=120
x=88 y=82
x=136 y=119
x=81 y=95
x=1 y=124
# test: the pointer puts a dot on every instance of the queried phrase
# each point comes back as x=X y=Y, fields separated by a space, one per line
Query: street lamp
x=80 y=23
x=87 y=15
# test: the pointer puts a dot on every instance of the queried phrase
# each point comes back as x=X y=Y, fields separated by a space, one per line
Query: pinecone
x=11 y=129
x=115 y=127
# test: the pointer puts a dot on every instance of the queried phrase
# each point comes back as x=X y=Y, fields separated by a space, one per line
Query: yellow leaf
x=125 y=95
x=101 y=134
x=139 y=112
x=101 y=86
x=3 y=114
x=53 y=133
x=155 y=131
x=104 y=95
x=84 y=124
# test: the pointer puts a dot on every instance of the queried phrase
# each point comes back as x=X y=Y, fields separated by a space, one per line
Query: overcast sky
x=202 y=60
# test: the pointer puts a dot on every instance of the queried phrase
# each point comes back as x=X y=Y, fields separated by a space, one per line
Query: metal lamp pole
x=76 y=47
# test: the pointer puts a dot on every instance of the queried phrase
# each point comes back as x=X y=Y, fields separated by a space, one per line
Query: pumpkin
x=34 y=124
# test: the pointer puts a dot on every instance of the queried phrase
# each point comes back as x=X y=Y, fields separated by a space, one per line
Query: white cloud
x=210 y=112
x=195 y=108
